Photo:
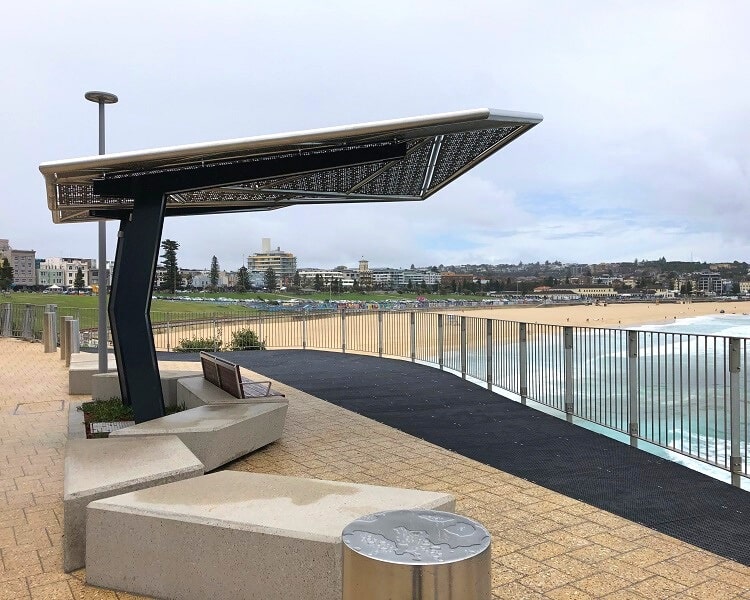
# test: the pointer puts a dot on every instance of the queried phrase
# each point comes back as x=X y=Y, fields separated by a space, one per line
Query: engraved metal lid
x=414 y=537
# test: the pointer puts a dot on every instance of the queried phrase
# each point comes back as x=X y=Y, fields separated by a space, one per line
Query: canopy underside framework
x=389 y=161
x=404 y=160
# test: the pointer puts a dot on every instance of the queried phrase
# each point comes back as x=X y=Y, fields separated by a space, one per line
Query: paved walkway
x=545 y=545
x=452 y=413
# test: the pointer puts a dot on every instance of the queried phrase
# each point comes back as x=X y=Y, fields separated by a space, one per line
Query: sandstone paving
x=545 y=545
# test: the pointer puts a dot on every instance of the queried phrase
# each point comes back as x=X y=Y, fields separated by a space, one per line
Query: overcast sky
x=643 y=151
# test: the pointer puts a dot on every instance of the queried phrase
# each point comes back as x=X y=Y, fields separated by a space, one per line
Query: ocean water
x=725 y=325
x=683 y=385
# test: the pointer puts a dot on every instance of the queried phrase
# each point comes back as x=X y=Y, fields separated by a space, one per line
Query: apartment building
x=62 y=271
x=709 y=283
x=284 y=264
x=23 y=263
x=309 y=276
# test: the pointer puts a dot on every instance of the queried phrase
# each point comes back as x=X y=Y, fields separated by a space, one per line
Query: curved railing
x=687 y=393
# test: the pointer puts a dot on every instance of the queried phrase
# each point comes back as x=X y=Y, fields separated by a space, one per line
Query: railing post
x=304 y=331
x=413 y=336
x=440 y=341
x=523 y=367
x=489 y=354
x=380 y=333
x=633 y=424
x=735 y=459
x=216 y=333
x=7 y=329
x=568 y=341
x=463 y=347
x=169 y=336
x=27 y=333
x=343 y=330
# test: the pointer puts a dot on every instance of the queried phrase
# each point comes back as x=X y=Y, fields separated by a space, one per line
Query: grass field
x=74 y=302
x=180 y=306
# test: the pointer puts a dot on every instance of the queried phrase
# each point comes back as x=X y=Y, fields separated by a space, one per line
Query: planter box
x=98 y=429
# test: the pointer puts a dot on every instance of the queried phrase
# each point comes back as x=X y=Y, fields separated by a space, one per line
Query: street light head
x=101 y=97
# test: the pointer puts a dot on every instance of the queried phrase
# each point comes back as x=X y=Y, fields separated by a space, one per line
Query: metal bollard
x=64 y=340
x=72 y=339
x=49 y=333
x=415 y=554
x=75 y=337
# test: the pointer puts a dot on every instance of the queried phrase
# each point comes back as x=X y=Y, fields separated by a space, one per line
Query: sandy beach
x=611 y=315
x=361 y=331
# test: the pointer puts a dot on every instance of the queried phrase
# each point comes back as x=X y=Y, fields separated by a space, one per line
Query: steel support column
x=138 y=243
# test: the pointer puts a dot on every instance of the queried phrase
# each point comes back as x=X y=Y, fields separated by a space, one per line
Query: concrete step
x=234 y=535
x=100 y=468
x=218 y=434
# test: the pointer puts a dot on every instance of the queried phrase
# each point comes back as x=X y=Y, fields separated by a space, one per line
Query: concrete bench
x=234 y=535
x=197 y=391
x=107 y=385
x=106 y=467
x=218 y=434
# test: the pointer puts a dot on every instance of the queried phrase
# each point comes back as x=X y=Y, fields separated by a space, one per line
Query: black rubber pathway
x=454 y=414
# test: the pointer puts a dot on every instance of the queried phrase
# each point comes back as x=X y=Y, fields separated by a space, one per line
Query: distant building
x=309 y=276
x=594 y=291
x=557 y=294
x=744 y=287
x=23 y=263
x=709 y=283
x=62 y=271
x=387 y=278
x=284 y=264
x=364 y=275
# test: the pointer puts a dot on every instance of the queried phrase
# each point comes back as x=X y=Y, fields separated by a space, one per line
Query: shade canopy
x=397 y=160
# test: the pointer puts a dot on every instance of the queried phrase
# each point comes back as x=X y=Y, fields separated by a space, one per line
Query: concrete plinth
x=218 y=434
x=234 y=535
x=107 y=385
x=106 y=467
x=83 y=366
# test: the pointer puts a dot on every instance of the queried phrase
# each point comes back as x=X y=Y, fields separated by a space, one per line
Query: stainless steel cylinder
x=49 y=333
x=416 y=554
x=74 y=343
x=64 y=340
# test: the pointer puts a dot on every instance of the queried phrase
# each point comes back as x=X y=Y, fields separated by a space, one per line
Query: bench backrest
x=210 y=369
x=226 y=376
x=230 y=378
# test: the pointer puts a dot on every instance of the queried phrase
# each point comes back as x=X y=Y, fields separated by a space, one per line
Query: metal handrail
x=687 y=393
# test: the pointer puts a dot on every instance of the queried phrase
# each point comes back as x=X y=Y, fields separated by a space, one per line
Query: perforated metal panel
x=439 y=148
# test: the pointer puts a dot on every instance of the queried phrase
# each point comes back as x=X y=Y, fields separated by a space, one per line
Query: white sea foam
x=725 y=325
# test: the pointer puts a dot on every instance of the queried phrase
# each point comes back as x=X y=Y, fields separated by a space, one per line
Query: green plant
x=246 y=339
x=106 y=411
x=170 y=410
x=198 y=344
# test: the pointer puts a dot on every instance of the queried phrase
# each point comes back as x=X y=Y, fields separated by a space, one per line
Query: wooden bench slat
x=226 y=375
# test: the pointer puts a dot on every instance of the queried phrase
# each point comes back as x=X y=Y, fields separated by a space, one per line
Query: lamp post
x=102 y=98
